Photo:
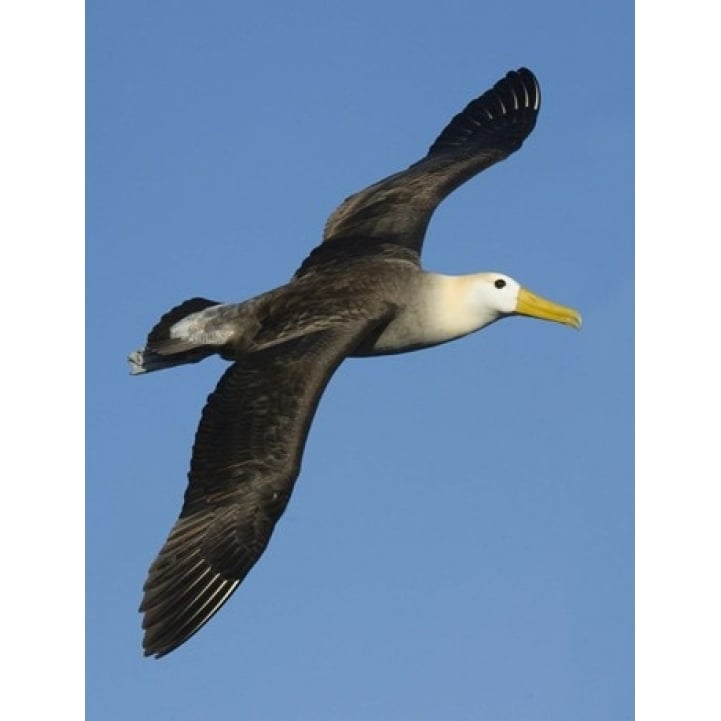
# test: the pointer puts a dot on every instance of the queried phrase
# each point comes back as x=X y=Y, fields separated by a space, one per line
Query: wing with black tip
x=399 y=208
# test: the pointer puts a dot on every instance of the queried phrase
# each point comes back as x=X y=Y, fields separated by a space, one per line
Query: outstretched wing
x=246 y=458
x=398 y=208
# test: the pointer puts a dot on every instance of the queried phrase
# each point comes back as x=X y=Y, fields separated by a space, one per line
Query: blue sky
x=460 y=541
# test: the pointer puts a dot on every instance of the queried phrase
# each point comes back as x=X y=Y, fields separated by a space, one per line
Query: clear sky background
x=460 y=541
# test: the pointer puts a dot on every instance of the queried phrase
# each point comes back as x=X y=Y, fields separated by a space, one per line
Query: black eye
x=500 y=283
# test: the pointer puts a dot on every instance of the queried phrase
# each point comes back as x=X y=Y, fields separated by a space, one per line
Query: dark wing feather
x=399 y=208
x=246 y=458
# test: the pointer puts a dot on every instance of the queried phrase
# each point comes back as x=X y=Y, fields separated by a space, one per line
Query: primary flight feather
x=361 y=292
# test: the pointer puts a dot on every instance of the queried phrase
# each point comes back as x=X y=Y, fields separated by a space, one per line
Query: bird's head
x=499 y=295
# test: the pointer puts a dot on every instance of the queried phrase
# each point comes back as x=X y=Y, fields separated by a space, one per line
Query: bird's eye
x=500 y=283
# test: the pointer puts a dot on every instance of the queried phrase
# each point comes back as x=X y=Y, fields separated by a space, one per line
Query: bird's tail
x=165 y=350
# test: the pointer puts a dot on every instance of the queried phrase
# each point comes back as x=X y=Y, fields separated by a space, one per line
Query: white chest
x=441 y=309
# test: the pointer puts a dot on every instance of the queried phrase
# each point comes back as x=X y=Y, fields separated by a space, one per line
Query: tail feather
x=162 y=350
x=145 y=361
x=161 y=331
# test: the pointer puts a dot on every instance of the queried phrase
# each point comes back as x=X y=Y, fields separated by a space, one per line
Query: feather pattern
x=399 y=208
x=245 y=460
x=362 y=291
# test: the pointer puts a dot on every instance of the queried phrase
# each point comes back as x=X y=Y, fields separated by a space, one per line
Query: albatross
x=361 y=292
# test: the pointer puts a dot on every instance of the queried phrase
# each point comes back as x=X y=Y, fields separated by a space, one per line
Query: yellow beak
x=536 y=307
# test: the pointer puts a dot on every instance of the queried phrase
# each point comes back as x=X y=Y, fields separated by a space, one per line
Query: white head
x=492 y=294
x=466 y=303
x=495 y=295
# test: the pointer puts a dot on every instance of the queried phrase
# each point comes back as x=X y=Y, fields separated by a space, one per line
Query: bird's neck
x=451 y=308
x=440 y=308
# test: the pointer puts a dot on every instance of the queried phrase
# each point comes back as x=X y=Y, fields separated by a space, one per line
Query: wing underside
x=245 y=460
x=398 y=208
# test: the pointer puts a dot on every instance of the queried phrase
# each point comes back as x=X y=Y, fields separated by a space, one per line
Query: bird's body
x=362 y=292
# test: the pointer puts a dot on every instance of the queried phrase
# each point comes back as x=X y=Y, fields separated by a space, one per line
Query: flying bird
x=361 y=292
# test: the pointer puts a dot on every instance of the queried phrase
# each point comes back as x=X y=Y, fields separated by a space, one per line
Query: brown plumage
x=361 y=292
